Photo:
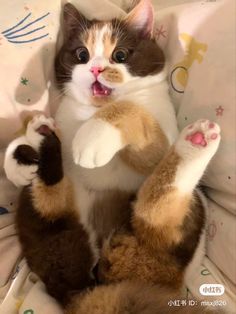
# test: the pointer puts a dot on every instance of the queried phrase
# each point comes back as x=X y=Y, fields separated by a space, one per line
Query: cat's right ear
x=73 y=19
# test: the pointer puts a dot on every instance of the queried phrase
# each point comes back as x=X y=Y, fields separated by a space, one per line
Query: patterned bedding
x=199 y=42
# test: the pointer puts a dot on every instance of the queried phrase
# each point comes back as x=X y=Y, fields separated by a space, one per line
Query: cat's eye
x=82 y=55
x=120 y=55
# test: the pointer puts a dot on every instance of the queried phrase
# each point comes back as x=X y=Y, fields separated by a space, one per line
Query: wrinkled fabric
x=199 y=41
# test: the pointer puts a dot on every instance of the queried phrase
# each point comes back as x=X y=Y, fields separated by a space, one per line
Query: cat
x=117 y=123
x=146 y=264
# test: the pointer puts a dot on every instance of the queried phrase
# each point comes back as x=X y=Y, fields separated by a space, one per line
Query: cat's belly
x=116 y=175
x=92 y=185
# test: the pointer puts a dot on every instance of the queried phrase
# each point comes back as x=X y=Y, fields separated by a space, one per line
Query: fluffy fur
x=117 y=137
x=155 y=248
x=55 y=244
x=117 y=127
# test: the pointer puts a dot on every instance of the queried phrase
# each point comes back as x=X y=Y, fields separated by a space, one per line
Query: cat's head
x=100 y=60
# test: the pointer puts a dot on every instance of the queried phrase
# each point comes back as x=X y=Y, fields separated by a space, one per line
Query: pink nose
x=96 y=70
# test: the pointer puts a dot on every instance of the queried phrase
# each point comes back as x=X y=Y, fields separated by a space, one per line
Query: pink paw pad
x=197 y=139
x=214 y=136
x=44 y=130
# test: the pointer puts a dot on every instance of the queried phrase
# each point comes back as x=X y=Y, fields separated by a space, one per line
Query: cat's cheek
x=82 y=77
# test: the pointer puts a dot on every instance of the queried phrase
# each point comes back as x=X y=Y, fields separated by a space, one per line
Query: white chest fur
x=116 y=175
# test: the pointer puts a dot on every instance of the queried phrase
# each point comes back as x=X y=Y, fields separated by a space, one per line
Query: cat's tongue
x=100 y=90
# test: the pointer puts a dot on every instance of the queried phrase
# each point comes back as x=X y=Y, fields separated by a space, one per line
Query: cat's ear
x=73 y=19
x=141 y=18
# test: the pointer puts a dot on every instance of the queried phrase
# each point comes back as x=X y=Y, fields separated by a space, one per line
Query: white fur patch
x=99 y=45
x=96 y=143
x=18 y=174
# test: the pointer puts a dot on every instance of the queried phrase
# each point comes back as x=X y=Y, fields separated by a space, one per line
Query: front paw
x=39 y=127
x=96 y=143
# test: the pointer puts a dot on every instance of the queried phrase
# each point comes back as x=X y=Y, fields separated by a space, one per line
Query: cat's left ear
x=141 y=18
x=73 y=20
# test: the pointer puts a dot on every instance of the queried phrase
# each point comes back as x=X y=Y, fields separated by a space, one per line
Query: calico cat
x=148 y=262
x=117 y=125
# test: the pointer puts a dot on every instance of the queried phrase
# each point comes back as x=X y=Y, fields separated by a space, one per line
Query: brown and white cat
x=117 y=123
x=146 y=262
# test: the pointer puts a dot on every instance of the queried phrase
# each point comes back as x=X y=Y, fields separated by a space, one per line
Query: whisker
x=63 y=91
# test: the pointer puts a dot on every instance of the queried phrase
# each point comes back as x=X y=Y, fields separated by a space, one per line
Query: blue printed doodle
x=14 y=34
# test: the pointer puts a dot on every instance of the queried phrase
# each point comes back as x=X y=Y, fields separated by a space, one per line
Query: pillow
x=199 y=40
x=28 y=34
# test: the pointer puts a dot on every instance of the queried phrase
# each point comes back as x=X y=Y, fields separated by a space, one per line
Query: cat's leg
x=50 y=188
x=167 y=221
x=56 y=246
x=115 y=127
x=164 y=199
x=21 y=158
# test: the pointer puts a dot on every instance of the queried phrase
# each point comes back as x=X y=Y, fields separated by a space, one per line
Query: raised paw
x=20 y=163
x=37 y=128
x=201 y=137
x=96 y=143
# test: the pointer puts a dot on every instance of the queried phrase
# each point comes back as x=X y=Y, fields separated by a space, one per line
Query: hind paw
x=201 y=137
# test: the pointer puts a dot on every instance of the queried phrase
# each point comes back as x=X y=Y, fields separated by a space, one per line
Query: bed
x=198 y=38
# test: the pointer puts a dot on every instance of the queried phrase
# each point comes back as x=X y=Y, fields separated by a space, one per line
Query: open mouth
x=99 y=89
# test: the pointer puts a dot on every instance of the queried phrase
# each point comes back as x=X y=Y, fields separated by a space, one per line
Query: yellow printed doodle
x=193 y=51
x=18 y=303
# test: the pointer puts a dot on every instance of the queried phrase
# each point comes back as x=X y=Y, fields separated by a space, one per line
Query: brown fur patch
x=160 y=205
x=54 y=200
x=160 y=208
x=124 y=258
x=89 y=41
x=50 y=245
x=166 y=228
x=146 y=143
x=49 y=230
x=111 y=211
x=146 y=57
x=100 y=102
x=112 y=75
